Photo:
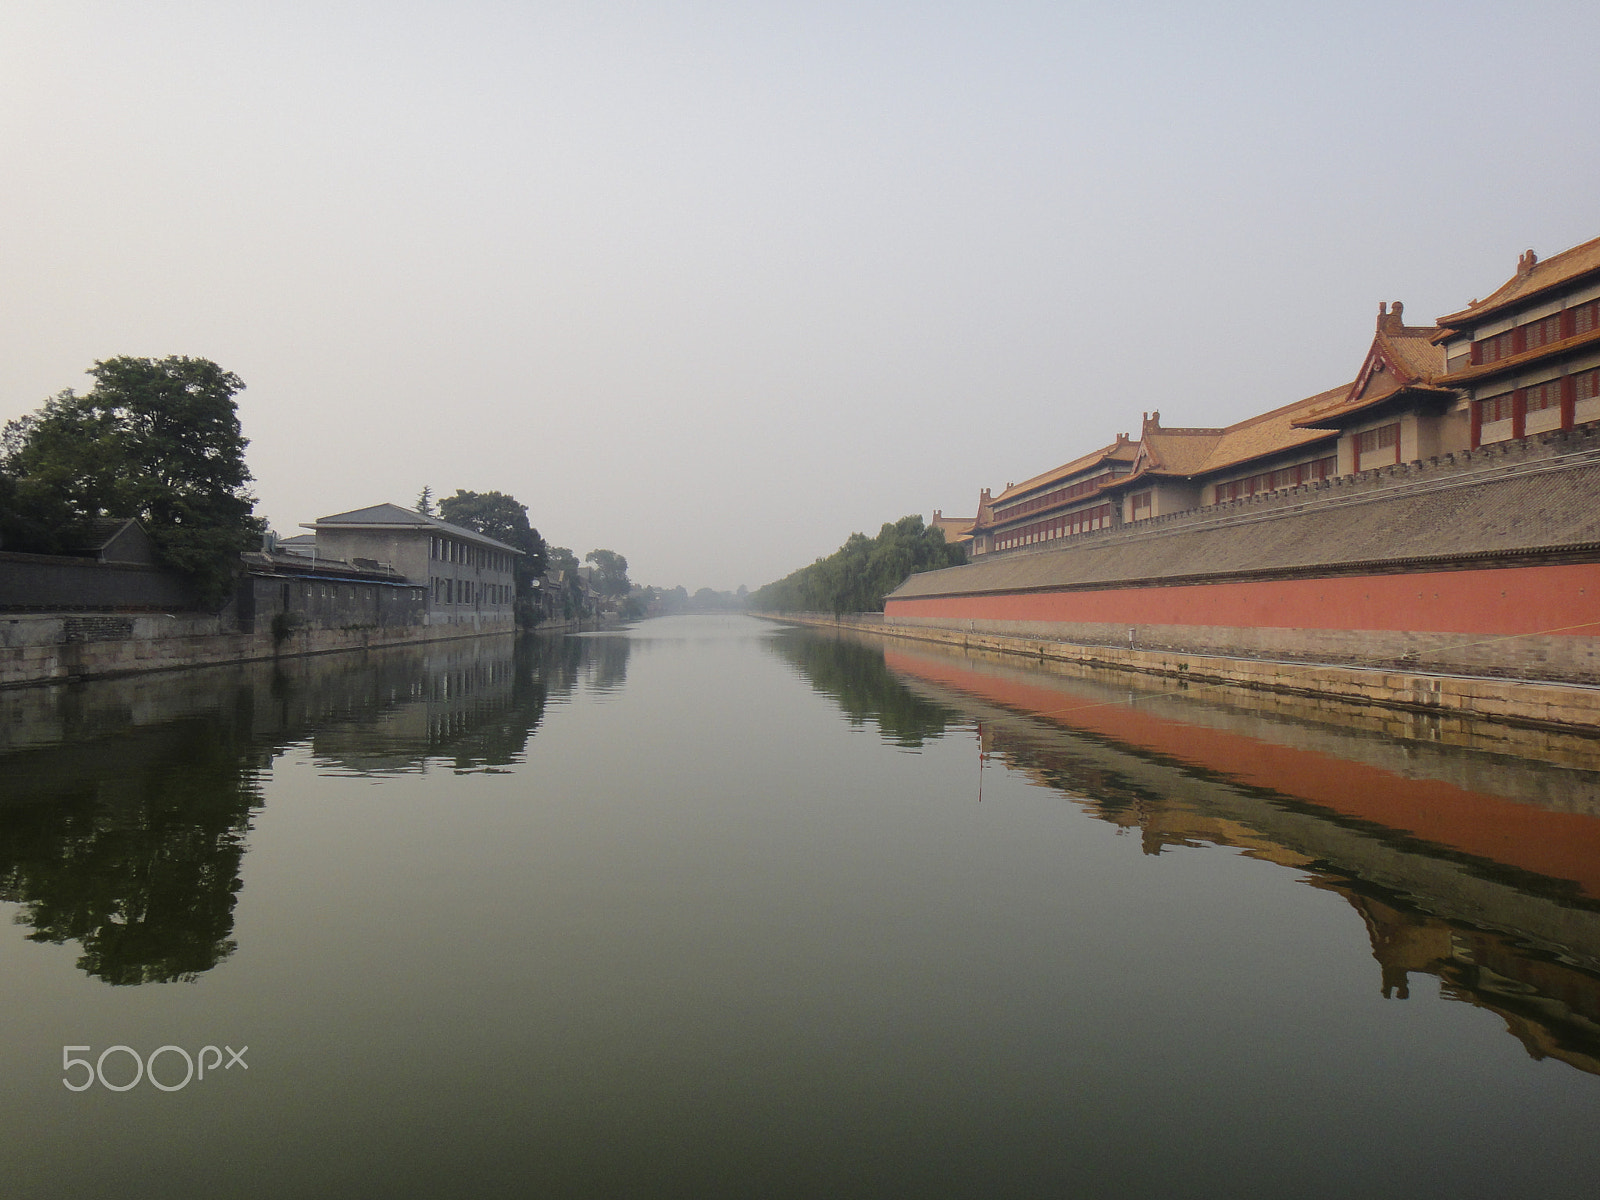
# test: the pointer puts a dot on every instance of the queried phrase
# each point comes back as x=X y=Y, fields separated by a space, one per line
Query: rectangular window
x=1544 y=395
x=1379 y=447
x=1495 y=348
x=1585 y=317
x=1543 y=331
x=1141 y=504
x=1496 y=408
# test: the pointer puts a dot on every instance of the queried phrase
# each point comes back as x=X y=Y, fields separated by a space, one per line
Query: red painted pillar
x=1569 y=401
x=1519 y=412
x=1475 y=418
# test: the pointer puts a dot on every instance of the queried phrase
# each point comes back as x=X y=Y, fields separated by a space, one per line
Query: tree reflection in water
x=856 y=678
x=126 y=805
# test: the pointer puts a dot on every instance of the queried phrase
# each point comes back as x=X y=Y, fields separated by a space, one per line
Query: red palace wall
x=1507 y=601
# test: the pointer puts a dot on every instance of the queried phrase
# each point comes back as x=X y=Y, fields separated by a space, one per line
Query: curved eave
x=1000 y=522
x=1491 y=308
x=1341 y=418
x=1505 y=366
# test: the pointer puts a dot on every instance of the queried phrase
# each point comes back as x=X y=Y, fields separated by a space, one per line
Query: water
x=709 y=908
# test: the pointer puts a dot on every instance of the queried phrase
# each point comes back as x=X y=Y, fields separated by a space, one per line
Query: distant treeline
x=857 y=576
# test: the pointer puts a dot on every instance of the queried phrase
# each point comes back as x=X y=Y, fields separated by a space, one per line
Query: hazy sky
x=715 y=284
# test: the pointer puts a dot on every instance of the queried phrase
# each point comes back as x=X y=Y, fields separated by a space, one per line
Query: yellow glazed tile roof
x=1531 y=280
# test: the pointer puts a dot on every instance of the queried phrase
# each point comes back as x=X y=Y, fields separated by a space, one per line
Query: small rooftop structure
x=116 y=540
x=956 y=530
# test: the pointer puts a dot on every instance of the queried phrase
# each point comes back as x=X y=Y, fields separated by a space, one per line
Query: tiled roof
x=99 y=531
x=1463 y=514
x=1528 y=284
x=1402 y=358
x=955 y=529
x=1414 y=351
x=1178 y=451
x=1119 y=451
x=392 y=515
x=1269 y=434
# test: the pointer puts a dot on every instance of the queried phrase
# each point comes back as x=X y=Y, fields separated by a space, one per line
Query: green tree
x=857 y=576
x=157 y=440
x=562 y=559
x=502 y=517
x=610 y=572
x=425 y=501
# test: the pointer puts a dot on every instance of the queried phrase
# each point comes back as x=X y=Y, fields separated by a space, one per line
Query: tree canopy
x=157 y=440
x=857 y=576
x=610 y=572
x=502 y=517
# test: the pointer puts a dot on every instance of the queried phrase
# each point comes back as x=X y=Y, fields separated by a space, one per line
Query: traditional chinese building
x=1441 y=510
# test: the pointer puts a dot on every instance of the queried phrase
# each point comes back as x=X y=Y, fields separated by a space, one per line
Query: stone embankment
x=1564 y=706
x=44 y=648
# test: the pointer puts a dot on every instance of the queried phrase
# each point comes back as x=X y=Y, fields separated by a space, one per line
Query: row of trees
x=157 y=440
x=857 y=576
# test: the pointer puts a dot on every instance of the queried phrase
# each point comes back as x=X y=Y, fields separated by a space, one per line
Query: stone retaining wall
x=43 y=648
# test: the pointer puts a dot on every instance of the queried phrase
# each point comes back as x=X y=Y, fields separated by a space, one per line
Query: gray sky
x=715 y=284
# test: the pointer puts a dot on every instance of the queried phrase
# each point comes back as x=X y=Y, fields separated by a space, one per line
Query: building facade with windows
x=467 y=576
x=1525 y=361
x=1439 y=510
x=1527 y=358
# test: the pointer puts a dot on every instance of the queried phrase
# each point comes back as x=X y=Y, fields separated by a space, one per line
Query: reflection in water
x=605 y=657
x=125 y=805
x=130 y=845
x=854 y=676
x=1482 y=870
x=469 y=706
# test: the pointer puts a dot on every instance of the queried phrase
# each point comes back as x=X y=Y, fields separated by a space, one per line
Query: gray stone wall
x=52 y=583
x=284 y=604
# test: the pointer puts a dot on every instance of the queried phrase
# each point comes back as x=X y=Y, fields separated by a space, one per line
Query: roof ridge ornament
x=1526 y=262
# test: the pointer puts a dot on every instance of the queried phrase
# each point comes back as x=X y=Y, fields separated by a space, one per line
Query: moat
x=712 y=907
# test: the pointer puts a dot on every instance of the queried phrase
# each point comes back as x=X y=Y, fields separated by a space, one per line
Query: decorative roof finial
x=1527 y=262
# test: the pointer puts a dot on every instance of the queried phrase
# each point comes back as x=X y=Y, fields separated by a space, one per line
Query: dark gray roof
x=1484 y=505
x=381 y=516
x=100 y=532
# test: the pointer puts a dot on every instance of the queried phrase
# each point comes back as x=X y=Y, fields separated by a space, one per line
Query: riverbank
x=1563 y=706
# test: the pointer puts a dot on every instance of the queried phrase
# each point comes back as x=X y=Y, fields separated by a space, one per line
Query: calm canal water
x=711 y=908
